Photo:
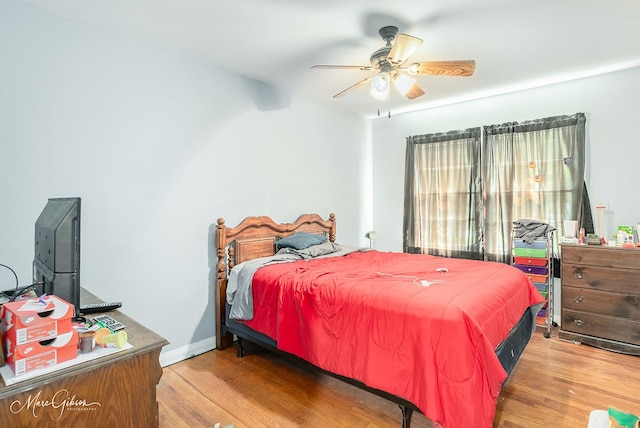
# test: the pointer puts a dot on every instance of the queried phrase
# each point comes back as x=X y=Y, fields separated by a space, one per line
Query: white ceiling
x=516 y=43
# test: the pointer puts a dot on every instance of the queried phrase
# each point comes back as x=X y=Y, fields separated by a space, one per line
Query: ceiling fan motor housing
x=379 y=57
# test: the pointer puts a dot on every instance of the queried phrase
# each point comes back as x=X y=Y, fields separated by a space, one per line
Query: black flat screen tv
x=56 y=262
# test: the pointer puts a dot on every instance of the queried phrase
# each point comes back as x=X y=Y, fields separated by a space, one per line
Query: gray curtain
x=464 y=189
x=442 y=203
x=532 y=170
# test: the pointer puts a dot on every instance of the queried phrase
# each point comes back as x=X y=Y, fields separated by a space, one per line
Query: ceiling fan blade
x=463 y=68
x=402 y=48
x=414 y=92
x=352 y=87
x=345 y=67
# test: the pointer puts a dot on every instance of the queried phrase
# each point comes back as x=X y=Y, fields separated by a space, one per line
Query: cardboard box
x=35 y=320
x=624 y=235
x=36 y=355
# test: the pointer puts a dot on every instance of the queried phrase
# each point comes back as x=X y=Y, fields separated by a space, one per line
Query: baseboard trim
x=185 y=352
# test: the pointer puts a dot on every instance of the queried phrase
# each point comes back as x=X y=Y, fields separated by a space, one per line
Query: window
x=464 y=189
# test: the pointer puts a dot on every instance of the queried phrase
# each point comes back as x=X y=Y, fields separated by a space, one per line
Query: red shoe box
x=38 y=333
x=31 y=320
x=36 y=355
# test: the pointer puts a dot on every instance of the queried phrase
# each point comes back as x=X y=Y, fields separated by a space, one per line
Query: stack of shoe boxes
x=37 y=333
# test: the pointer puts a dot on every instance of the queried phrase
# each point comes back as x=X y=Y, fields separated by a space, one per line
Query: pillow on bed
x=313 y=250
x=300 y=240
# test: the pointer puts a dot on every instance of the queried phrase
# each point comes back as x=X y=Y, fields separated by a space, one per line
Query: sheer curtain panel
x=532 y=170
x=442 y=203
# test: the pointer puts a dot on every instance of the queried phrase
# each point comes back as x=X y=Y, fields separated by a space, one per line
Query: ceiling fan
x=391 y=63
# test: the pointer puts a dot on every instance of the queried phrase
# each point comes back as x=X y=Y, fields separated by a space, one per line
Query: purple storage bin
x=536 y=270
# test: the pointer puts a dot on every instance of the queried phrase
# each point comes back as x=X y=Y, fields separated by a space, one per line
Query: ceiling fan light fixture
x=404 y=83
x=380 y=82
x=380 y=86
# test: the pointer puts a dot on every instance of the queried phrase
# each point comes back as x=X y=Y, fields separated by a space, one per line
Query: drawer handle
x=578 y=299
x=578 y=322
x=578 y=275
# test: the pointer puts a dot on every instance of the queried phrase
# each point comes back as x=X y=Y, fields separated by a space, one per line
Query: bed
x=433 y=334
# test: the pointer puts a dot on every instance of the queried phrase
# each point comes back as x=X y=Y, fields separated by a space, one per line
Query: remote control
x=93 y=308
x=108 y=322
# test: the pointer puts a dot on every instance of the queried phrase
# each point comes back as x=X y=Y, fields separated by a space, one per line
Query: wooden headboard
x=255 y=237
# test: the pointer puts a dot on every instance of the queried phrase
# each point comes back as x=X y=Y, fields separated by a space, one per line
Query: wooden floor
x=555 y=384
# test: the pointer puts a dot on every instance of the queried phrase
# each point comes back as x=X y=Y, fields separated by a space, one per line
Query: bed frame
x=255 y=237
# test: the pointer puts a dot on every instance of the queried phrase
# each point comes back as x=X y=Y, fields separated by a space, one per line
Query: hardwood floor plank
x=555 y=383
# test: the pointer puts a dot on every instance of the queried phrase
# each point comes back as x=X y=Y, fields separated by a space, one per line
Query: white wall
x=610 y=102
x=158 y=147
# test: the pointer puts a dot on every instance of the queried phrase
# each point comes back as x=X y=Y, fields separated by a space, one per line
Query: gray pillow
x=300 y=240
x=313 y=251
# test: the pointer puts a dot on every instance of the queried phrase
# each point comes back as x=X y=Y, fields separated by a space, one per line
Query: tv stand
x=112 y=391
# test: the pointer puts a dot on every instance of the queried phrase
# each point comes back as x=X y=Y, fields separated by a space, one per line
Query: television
x=56 y=261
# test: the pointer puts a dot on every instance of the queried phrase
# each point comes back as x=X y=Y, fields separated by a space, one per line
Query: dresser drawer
x=627 y=331
x=536 y=270
x=536 y=278
x=538 y=244
x=530 y=261
x=530 y=252
x=600 y=278
x=626 y=258
x=601 y=302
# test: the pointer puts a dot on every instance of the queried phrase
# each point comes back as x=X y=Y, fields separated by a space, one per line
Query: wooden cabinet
x=600 y=297
x=118 y=390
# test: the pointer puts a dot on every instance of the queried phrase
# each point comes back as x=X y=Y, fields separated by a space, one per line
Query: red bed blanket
x=367 y=316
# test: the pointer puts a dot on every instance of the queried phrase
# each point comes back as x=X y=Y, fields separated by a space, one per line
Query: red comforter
x=366 y=316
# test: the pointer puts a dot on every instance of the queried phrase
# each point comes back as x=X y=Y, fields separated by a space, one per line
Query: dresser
x=600 y=297
x=118 y=390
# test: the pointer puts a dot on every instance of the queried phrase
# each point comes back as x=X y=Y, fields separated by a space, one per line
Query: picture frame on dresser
x=600 y=297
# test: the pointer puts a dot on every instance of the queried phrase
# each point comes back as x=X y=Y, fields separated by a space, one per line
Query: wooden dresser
x=118 y=390
x=600 y=297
